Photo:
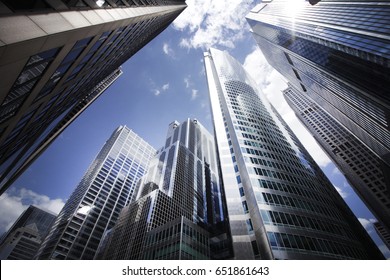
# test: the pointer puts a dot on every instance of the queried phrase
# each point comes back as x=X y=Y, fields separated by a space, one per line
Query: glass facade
x=336 y=52
x=280 y=204
x=58 y=125
x=179 y=199
x=49 y=71
x=179 y=239
x=364 y=170
x=21 y=5
x=94 y=206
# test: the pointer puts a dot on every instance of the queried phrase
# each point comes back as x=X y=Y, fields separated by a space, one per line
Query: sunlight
x=85 y=210
x=293 y=7
x=100 y=2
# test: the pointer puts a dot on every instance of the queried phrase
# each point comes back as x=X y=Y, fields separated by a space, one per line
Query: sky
x=163 y=82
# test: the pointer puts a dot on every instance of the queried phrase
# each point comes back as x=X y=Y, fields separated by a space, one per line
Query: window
x=249 y=225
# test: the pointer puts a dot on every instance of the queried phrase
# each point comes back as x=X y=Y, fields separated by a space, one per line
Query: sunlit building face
x=95 y=204
x=280 y=204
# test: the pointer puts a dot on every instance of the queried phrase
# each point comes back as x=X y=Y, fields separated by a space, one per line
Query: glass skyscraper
x=53 y=55
x=45 y=139
x=280 y=204
x=359 y=164
x=338 y=53
x=22 y=240
x=179 y=211
x=94 y=206
x=383 y=233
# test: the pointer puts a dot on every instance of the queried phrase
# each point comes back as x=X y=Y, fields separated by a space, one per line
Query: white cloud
x=158 y=90
x=213 y=23
x=187 y=82
x=342 y=192
x=256 y=64
x=367 y=224
x=272 y=84
x=194 y=94
x=13 y=203
x=168 y=50
x=204 y=104
x=165 y=87
x=336 y=171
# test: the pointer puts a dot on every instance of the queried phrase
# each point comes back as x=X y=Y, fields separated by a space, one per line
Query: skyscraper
x=43 y=142
x=179 y=211
x=53 y=54
x=95 y=204
x=22 y=240
x=383 y=233
x=280 y=204
x=337 y=52
x=360 y=165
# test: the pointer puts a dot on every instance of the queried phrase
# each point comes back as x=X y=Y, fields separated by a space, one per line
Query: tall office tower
x=22 y=240
x=32 y=215
x=53 y=54
x=383 y=233
x=280 y=204
x=179 y=211
x=43 y=142
x=95 y=204
x=359 y=164
x=338 y=53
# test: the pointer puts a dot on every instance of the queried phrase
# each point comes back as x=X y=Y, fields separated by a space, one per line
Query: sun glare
x=294 y=6
x=84 y=210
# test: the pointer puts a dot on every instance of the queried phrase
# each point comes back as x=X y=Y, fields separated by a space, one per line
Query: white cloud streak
x=194 y=94
x=165 y=87
x=168 y=50
x=213 y=23
x=187 y=82
x=342 y=192
x=13 y=203
x=367 y=224
x=336 y=171
x=159 y=90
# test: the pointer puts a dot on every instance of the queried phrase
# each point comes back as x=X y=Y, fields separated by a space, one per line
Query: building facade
x=383 y=233
x=52 y=132
x=179 y=211
x=22 y=240
x=338 y=53
x=280 y=204
x=95 y=204
x=53 y=55
x=360 y=165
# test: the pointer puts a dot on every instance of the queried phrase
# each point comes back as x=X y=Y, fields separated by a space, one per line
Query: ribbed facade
x=280 y=204
x=383 y=233
x=53 y=54
x=94 y=206
x=180 y=204
x=338 y=53
x=362 y=168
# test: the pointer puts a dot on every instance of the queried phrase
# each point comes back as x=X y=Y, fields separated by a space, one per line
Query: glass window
x=249 y=225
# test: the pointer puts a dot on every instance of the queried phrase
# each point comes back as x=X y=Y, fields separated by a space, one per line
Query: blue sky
x=163 y=82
